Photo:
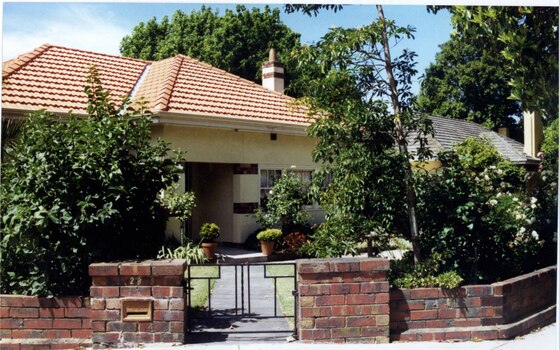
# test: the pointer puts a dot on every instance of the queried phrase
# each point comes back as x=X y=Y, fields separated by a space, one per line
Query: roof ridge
x=20 y=61
x=102 y=54
x=167 y=87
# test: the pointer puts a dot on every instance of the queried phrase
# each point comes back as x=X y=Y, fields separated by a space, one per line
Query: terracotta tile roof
x=53 y=77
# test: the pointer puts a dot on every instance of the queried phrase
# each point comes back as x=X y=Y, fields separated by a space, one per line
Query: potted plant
x=208 y=234
x=268 y=239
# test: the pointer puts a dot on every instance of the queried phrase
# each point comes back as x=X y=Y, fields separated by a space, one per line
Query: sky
x=99 y=27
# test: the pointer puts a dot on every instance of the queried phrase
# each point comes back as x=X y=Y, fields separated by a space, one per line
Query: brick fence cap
x=162 y=262
x=527 y=275
x=103 y=269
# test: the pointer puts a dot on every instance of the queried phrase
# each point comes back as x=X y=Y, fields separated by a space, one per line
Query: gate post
x=140 y=302
x=343 y=300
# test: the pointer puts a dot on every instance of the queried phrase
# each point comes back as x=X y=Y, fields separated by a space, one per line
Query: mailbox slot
x=136 y=310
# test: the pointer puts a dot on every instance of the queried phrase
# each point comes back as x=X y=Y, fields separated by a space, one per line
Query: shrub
x=180 y=205
x=269 y=235
x=293 y=242
x=284 y=207
x=81 y=190
x=191 y=252
x=475 y=212
x=405 y=274
x=209 y=232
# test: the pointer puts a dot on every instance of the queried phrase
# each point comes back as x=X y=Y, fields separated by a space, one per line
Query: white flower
x=533 y=206
x=522 y=230
x=493 y=167
x=271 y=192
x=515 y=199
x=493 y=202
x=518 y=217
x=499 y=194
x=499 y=171
x=486 y=177
x=533 y=200
x=535 y=235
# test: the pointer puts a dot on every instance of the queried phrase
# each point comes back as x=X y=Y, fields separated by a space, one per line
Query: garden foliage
x=81 y=190
x=476 y=213
x=405 y=274
x=285 y=204
x=209 y=232
x=269 y=235
x=357 y=134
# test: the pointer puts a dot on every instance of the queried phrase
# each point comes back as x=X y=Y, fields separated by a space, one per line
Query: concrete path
x=255 y=323
x=545 y=339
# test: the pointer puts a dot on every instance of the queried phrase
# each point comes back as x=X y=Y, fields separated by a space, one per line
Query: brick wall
x=158 y=283
x=343 y=300
x=500 y=310
x=29 y=322
x=527 y=294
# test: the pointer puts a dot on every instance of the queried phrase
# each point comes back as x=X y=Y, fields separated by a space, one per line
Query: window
x=268 y=178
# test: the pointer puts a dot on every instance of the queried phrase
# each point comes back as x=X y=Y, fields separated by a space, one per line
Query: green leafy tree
x=528 y=41
x=238 y=42
x=470 y=83
x=80 y=190
x=358 y=135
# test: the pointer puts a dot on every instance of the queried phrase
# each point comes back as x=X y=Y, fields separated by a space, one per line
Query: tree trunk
x=401 y=139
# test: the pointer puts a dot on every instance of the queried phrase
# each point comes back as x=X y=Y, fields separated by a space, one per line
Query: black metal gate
x=242 y=301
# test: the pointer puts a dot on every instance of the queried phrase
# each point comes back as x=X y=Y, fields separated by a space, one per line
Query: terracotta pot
x=209 y=249
x=267 y=247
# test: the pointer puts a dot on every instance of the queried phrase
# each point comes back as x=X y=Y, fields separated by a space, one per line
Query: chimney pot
x=272 y=56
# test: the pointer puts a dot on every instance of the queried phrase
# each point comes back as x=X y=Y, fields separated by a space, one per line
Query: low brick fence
x=343 y=300
x=500 y=310
x=340 y=301
x=29 y=322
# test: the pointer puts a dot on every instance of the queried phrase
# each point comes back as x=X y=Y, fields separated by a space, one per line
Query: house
x=239 y=136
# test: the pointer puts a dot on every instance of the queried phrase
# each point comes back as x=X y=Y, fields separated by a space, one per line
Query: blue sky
x=99 y=27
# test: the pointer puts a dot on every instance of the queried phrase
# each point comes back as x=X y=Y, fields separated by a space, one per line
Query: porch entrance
x=243 y=305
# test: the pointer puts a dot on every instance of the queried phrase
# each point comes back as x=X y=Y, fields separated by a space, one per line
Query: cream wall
x=212 y=145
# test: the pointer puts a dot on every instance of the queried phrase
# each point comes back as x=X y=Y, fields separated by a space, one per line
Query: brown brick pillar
x=343 y=300
x=140 y=302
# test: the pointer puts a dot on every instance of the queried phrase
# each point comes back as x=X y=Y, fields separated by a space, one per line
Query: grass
x=199 y=291
x=284 y=288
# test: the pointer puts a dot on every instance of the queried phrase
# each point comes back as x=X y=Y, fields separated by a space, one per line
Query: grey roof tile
x=449 y=132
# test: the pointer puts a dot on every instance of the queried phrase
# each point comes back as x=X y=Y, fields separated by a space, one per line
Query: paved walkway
x=253 y=320
x=545 y=339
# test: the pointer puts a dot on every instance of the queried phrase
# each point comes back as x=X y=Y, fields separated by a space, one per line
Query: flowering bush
x=475 y=212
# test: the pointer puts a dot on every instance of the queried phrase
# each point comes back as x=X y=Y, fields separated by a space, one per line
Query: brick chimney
x=533 y=133
x=273 y=73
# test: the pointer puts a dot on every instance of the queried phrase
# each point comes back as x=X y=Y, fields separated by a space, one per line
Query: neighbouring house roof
x=448 y=132
x=53 y=78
